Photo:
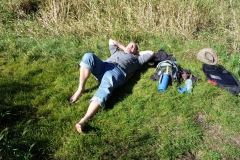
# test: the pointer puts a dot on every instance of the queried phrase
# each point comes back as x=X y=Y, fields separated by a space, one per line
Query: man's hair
x=136 y=46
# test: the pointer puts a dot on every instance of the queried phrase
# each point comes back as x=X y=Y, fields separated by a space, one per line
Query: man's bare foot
x=79 y=126
x=75 y=96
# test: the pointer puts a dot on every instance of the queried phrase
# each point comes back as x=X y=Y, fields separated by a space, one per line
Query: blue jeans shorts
x=109 y=75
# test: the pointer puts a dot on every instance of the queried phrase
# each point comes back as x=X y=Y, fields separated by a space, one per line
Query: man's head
x=132 y=48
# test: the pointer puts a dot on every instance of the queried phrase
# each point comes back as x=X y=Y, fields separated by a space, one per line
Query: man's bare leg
x=84 y=75
x=92 y=109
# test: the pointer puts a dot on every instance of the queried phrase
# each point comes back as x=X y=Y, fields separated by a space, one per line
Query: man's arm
x=116 y=43
x=145 y=56
x=145 y=52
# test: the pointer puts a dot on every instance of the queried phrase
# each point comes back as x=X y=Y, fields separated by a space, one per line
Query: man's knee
x=88 y=57
x=87 y=61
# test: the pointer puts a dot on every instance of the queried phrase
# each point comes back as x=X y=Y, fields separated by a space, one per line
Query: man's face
x=131 y=48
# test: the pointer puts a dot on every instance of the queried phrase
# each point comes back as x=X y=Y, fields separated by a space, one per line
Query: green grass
x=39 y=71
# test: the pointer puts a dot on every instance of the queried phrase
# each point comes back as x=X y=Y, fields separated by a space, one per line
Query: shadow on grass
x=11 y=111
x=17 y=117
x=120 y=93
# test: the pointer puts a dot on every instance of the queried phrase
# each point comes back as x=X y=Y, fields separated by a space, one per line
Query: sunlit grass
x=39 y=70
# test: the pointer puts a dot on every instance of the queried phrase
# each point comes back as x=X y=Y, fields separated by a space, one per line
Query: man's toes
x=71 y=100
x=79 y=127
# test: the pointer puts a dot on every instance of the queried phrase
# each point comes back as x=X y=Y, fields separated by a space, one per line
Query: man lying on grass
x=111 y=74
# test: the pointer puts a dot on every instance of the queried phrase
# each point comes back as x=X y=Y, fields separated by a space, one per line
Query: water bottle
x=163 y=82
x=188 y=85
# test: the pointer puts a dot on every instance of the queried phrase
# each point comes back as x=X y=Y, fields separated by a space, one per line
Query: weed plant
x=42 y=43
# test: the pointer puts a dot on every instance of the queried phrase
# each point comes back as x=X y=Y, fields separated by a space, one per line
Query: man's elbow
x=152 y=53
x=111 y=42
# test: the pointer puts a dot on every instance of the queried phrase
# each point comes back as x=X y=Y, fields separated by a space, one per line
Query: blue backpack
x=174 y=70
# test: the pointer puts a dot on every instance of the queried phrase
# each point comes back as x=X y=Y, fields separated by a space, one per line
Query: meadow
x=42 y=43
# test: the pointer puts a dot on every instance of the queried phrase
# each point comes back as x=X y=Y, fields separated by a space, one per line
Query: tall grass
x=184 y=18
x=187 y=19
x=41 y=44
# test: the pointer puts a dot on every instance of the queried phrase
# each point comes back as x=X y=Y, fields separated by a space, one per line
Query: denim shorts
x=109 y=75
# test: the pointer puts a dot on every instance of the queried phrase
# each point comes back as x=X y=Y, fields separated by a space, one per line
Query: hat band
x=207 y=57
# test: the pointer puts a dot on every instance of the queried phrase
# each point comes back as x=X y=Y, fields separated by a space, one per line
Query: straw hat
x=208 y=56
